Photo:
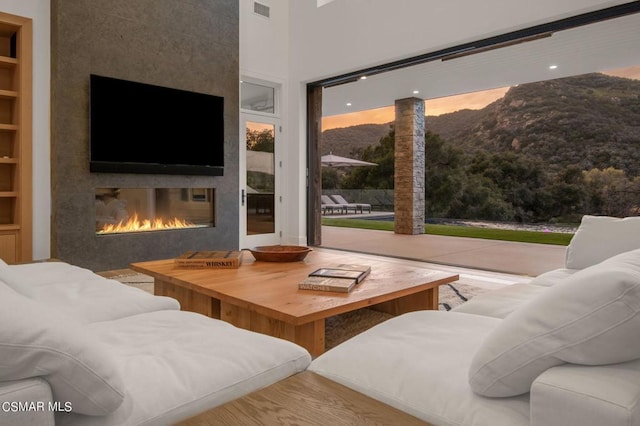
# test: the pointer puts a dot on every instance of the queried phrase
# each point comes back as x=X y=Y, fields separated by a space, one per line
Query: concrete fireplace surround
x=189 y=45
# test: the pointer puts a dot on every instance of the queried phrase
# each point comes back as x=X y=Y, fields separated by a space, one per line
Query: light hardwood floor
x=304 y=399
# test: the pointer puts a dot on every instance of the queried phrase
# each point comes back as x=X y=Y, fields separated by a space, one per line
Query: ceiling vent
x=261 y=9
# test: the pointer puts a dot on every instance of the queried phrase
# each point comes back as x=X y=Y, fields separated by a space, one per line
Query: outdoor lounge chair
x=330 y=206
x=356 y=206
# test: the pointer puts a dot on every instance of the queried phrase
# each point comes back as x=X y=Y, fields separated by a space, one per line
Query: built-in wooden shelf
x=8 y=62
x=8 y=94
x=16 y=67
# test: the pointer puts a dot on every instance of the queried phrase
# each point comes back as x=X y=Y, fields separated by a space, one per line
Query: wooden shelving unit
x=15 y=138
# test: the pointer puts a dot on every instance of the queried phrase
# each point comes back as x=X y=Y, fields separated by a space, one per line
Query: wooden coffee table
x=264 y=296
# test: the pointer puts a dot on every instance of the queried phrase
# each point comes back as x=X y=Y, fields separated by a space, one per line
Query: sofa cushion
x=177 y=364
x=35 y=390
x=501 y=302
x=601 y=237
x=418 y=363
x=550 y=278
x=80 y=293
x=587 y=395
x=36 y=341
x=28 y=275
x=591 y=317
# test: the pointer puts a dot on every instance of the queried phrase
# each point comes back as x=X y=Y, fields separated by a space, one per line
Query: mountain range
x=591 y=121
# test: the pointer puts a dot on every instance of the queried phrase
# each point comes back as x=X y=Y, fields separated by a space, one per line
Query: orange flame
x=136 y=225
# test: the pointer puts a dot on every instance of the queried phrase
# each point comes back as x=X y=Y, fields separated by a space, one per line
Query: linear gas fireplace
x=130 y=210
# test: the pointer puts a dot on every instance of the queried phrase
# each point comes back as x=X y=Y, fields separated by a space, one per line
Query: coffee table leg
x=235 y=315
x=310 y=335
x=189 y=300
x=424 y=300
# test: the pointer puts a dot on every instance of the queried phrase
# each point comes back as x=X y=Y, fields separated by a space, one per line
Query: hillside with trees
x=350 y=141
x=547 y=151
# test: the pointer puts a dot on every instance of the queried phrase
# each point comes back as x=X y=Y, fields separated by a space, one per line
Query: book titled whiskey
x=340 y=285
x=344 y=270
x=218 y=259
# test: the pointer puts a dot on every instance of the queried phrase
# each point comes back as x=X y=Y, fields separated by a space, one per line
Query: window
x=256 y=97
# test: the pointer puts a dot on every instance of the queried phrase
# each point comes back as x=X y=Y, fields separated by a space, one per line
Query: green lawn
x=460 y=231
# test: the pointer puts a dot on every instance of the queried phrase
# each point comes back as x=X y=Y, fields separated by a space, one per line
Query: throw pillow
x=601 y=237
x=590 y=318
x=36 y=341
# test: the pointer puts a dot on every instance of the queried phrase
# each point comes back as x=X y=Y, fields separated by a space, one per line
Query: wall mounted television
x=142 y=128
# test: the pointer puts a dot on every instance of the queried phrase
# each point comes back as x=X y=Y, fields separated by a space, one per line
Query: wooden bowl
x=280 y=253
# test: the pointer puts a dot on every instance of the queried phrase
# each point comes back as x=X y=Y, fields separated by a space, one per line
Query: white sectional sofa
x=80 y=349
x=561 y=350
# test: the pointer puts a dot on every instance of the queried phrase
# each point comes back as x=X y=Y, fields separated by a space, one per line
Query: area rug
x=131 y=278
x=340 y=327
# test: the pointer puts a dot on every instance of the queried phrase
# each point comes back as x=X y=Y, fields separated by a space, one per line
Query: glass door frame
x=275 y=237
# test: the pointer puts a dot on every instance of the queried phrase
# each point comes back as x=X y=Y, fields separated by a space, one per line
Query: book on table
x=344 y=270
x=215 y=259
x=341 y=285
x=340 y=278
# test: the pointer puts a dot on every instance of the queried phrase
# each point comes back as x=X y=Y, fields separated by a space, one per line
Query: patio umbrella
x=331 y=160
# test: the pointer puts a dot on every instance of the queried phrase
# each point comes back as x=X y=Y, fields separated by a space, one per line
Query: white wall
x=265 y=56
x=264 y=42
x=39 y=12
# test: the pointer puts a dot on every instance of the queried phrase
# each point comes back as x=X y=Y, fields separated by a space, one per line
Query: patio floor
x=501 y=262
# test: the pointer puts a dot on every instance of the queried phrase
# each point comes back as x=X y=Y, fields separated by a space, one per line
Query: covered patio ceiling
x=603 y=46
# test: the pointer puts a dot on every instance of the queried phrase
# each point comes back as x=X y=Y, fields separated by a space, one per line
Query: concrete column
x=409 y=167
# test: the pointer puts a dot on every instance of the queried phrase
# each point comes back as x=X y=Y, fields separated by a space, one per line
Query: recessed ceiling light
x=415 y=92
x=348 y=103
x=364 y=77
x=553 y=67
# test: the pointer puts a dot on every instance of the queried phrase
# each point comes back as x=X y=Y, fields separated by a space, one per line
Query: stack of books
x=218 y=259
x=340 y=278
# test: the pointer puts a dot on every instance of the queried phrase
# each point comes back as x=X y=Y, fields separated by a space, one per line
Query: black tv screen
x=142 y=128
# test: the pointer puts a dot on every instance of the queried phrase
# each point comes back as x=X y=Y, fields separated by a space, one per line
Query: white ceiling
x=602 y=46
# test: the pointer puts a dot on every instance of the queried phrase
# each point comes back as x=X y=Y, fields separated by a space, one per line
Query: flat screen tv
x=142 y=128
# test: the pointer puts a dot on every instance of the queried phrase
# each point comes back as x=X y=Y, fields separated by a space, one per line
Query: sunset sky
x=476 y=100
